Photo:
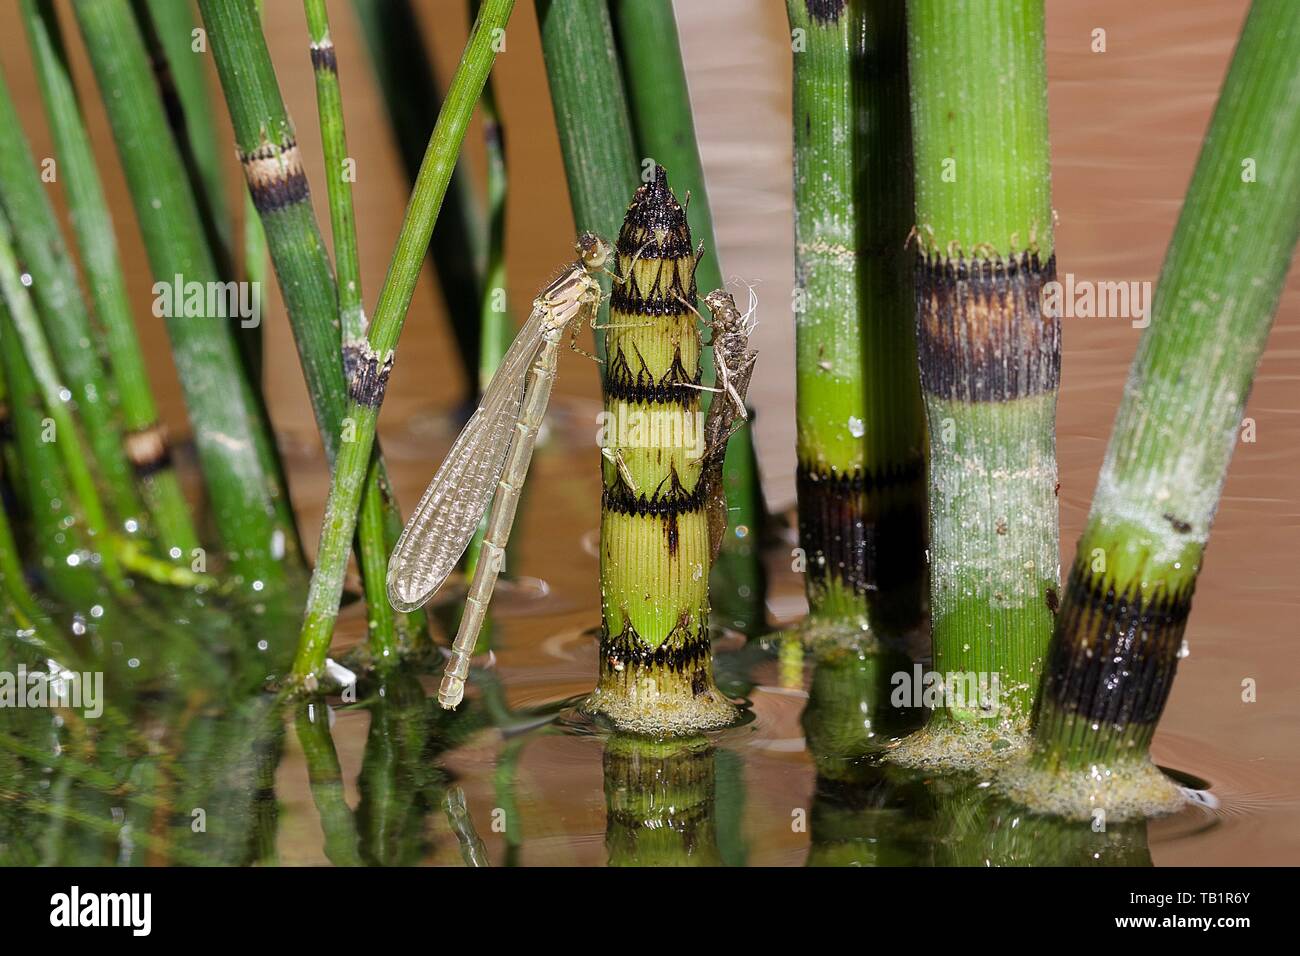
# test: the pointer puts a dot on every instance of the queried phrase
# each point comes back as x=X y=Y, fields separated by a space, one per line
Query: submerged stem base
x=1108 y=792
x=662 y=692
x=951 y=746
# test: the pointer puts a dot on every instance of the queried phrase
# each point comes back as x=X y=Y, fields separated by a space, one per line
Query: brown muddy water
x=1126 y=126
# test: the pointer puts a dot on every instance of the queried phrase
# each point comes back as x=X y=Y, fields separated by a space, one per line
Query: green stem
x=591 y=116
x=406 y=81
x=1118 y=636
x=55 y=288
x=338 y=180
x=273 y=168
x=371 y=378
x=860 y=447
x=495 y=327
x=656 y=662
x=31 y=339
x=235 y=450
x=325 y=778
x=989 y=356
x=664 y=126
x=146 y=441
x=169 y=33
x=56 y=530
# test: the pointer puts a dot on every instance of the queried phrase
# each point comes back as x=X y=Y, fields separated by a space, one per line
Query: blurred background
x=1126 y=127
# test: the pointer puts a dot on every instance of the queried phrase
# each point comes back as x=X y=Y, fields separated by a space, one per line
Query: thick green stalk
x=29 y=338
x=146 y=440
x=591 y=115
x=371 y=378
x=410 y=91
x=273 y=168
x=664 y=127
x=1118 y=636
x=235 y=450
x=656 y=662
x=989 y=358
x=861 y=433
x=63 y=312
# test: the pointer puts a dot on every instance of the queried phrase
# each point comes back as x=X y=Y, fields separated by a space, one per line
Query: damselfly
x=733 y=361
x=489 y=462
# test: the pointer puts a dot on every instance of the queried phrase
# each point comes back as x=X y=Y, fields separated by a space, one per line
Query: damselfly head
x=594 y=251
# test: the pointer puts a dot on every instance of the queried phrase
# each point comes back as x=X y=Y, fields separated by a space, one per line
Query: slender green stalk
x=860 y=447
x=147 y=446
x=371 y=377
x=167 y=28
x=273 y=168
x=495 y=327
x=235 y=449
x=338 y=181
x=169 y=31
x=326 y=782
x=55 y=528
x=656 y=662
x=31 y=339
x=407 y=83
x=18 y=600
x=591 y=116
x=1119 y=633
x=63 y=312
x=664 y=127
x=989 y=359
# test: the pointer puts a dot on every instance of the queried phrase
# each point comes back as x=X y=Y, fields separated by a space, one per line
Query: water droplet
x=26 y=279
x=97 y=611
x=857 y=427
x=131 y=525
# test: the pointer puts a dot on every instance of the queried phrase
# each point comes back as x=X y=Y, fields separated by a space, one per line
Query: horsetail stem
x=371 y=378
x=495 y=331
x=860 y=445
x=989 y=355
x=409 y=88
x=1118 y=636
x=30 y=339
x=278 y=185
x=338 y=181
x=168 y=29
x=235 y=450
x=656 y=663
x=56 y=528
x=63 y=312
x=591 y=116
x=147 y=445
x=664 y=127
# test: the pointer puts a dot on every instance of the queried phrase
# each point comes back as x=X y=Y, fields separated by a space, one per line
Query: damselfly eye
x=595 y=251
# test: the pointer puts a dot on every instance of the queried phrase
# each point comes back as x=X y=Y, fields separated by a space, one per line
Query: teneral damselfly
x=488 y=463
